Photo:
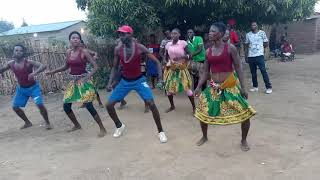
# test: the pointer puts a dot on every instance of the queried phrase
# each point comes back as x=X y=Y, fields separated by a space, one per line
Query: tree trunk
x=267 y=29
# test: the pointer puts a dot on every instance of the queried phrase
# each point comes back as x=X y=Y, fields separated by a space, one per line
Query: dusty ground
x=284 y=138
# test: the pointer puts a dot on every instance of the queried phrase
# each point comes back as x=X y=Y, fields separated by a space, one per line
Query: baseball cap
x=125 y=29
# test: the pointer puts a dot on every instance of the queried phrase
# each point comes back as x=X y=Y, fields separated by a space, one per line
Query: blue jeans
x=255 y=62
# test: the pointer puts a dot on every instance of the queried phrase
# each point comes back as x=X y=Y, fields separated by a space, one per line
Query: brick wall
x=303 y=35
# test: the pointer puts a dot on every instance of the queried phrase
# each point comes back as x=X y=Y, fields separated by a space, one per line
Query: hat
x=125 y=29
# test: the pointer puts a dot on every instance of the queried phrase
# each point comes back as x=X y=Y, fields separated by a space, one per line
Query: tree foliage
x=106 y=15
x=5 y=26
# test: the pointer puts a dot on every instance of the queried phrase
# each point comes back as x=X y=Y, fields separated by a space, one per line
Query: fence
x=52 y=59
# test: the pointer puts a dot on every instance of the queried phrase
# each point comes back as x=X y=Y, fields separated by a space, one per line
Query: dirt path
x=284 y=138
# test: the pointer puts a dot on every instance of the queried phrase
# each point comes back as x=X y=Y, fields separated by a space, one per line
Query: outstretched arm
x=5 y=68
x=60 y=69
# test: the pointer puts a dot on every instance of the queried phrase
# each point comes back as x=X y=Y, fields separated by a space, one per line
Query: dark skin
x=220 y=77
x=175 y=38
x=199 y=48
x=18 y=62
x=254 y=29
x=74 y=52
x=127 y=41
x=95 y=57
x=153 y=79
x=167 y=34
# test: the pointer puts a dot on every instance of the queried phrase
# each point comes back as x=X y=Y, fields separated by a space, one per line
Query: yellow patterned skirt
x=177 y=78
x=77 y=91
x=223 y=106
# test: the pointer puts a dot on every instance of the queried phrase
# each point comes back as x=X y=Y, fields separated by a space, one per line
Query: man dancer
x=27 y=85
x=129 y=55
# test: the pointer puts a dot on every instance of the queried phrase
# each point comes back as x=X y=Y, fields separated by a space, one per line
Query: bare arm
x=204 y=72
x=153 y=58
x=62 y=68
x=237 y=65
x=198 y=51
x=115 y=66
x=40 y=67
x=91 y=61
x=5 y=68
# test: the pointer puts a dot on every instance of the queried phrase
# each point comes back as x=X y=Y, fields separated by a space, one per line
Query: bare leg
x=191 y=98
x=113 y=114
x=146 y=107
x=99 y=100
x=155 y=114
x=72 y=117
x=44 y=114
x=123 y=103
x=97 y=118
x=23 y=116
x=245 y=126
x=204 y=129
x=172 y=107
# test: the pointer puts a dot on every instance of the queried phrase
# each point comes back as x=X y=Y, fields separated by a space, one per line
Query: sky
x=44 y=11
x=39 y=11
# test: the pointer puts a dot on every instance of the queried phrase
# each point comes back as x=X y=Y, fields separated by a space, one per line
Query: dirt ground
x=284 y=138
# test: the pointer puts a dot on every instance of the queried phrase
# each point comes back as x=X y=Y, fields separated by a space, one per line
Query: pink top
x=176 y=50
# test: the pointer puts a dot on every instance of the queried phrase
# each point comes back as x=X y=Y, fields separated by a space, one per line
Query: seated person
x=286 y=48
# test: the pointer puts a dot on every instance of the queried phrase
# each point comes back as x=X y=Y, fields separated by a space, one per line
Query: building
x=304 y=35
x=45 y=35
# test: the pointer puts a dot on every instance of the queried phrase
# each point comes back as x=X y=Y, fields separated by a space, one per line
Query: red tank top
x=221 y=63
x=78 y=65
x=131 y=69
x=23 y=73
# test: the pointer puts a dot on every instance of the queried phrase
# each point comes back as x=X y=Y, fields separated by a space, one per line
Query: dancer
x=224 y=102
x=177 y=77
x=80 y=88
x=89 y=69
x=27 y=85
x=129 y=55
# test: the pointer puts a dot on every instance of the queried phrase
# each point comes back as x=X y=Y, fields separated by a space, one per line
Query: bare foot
x=102 y=133
x=48 y=127
x=146 y=109
x=74 y=128
x=170 y=109
x=26 y=125
x=202 y=141
x=244 y=146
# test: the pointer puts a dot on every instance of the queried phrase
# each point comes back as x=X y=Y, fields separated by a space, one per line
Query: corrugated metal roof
x=40 y=28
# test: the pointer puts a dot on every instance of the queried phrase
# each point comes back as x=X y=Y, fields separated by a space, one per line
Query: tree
x=106 y=15
x=24 y=23
x=5 y=26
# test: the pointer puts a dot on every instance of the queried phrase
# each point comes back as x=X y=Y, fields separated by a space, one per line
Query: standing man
x=163 y=44
x=198 y=56
x=129 y=56
x=27 y=87
x=256 y=41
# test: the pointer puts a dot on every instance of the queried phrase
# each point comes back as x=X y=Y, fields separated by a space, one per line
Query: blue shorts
x=22 y=95
x=124 y=87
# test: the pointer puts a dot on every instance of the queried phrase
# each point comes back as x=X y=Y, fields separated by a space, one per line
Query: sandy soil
x=284 y=138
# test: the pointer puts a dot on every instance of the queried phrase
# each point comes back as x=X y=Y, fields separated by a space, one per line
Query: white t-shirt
x=255 y=41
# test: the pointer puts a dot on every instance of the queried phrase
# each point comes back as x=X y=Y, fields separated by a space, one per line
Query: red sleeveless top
x=78 y=65
x=23 y=73
x=221 y=63
x=130 y=69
